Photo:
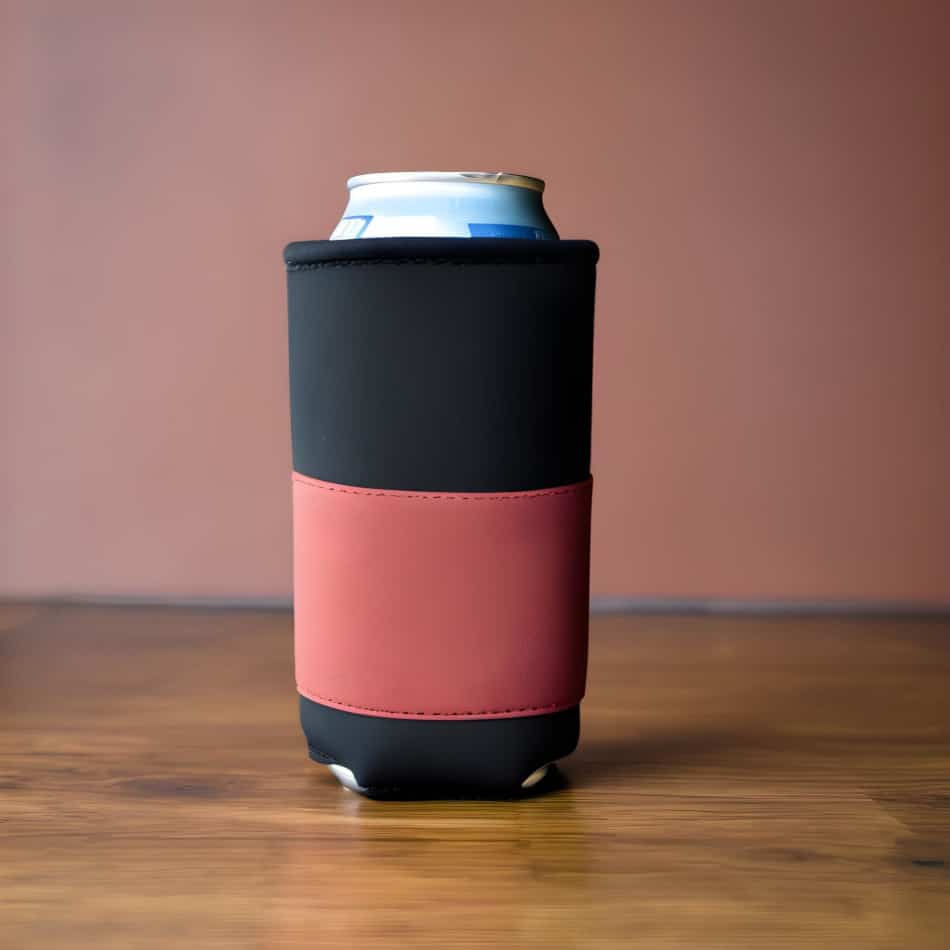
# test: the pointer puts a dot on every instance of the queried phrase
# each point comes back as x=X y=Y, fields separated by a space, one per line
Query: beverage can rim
x=485 y=178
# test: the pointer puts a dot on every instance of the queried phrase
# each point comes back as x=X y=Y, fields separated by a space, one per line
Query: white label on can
x=406 y=225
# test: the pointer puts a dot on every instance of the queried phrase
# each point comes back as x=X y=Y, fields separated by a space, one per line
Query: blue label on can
x=505 y=231
x=352 y=227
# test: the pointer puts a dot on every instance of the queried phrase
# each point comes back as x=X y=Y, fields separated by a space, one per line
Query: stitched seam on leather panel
x=317 y=698
x=410 y=495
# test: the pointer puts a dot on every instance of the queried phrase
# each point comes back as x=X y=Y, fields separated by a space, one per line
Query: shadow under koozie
x=440 y=407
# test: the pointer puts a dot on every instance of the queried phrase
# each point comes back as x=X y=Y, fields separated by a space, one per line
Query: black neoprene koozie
x=441 y=365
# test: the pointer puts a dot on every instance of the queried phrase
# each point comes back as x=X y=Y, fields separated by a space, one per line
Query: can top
x=487 y=178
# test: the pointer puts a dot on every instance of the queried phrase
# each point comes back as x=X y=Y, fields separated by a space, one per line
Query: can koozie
x=440 y=409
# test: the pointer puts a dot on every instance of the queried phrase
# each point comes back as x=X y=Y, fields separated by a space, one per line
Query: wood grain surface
x=741 y=782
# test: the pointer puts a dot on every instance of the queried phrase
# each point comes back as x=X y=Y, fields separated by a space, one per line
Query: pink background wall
x=768 y=183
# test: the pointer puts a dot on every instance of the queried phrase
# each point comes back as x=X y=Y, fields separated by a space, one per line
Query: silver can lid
x=486 y=178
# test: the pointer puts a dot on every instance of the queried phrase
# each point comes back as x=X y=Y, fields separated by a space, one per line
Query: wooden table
x=761 y=782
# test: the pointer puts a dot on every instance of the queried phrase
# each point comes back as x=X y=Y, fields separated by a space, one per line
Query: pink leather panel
x=421 y=605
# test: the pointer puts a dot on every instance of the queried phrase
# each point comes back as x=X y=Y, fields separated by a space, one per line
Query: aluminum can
x=445 y=204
